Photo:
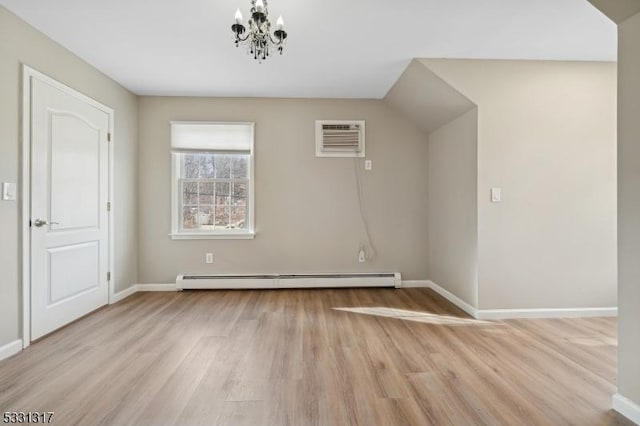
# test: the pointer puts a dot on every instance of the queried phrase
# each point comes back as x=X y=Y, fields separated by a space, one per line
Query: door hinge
x=108 y=276
x=108 y=206
x=108 y=137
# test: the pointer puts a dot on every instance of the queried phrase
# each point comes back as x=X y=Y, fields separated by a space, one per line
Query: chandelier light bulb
x=238 y=17
x=259 y=6
x=279 y=23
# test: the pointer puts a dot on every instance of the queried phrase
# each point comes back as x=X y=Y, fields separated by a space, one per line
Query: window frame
x=177 y=232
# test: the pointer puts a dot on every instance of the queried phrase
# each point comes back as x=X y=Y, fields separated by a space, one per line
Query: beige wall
x=547 y=138
x=21 y=43
x=307 y=216
x=453 y=214
x=629 y=207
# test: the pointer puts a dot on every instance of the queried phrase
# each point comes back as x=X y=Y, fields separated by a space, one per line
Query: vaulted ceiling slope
x=336 y=48
x=425 y=99
x=617 y=10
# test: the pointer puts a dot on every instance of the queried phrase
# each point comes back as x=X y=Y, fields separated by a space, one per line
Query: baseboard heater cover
x=200 y=281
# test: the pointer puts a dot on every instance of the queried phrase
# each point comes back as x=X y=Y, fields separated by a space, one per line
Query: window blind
x=204 y=136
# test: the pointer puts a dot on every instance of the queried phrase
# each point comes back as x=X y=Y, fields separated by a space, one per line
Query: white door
x=69 y=215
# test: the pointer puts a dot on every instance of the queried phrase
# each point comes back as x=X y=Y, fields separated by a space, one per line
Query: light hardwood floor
x=314 y=357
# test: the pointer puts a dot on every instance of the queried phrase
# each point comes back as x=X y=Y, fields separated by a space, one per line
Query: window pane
x=239 y=194
x=189 y=217
x=239 y=166
x=191 y=166
x=210 y=165
x=206 y=192
x=222 y=193
x=189 y=193
x=238 y=217
x=207 y=166
x=222 y=217
x=223 y=165
x=205 y=217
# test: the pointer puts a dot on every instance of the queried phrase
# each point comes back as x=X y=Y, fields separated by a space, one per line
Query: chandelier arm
x=274 y=41
x=240 y=39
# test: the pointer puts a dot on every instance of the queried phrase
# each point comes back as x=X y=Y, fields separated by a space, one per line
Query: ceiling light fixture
x=259 y=40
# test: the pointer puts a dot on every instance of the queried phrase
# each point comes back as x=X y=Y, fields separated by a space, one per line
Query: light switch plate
x=9 y=191
x=368 y=164
x=496 y=195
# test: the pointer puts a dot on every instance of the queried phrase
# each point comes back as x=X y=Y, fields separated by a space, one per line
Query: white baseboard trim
x=136 y=288
x=415 y=284
x=499 y=314
x=453 y=299
x=156 y=287
x=442 y=292
x=124 y=293
x=626 y=407
x=10 y=349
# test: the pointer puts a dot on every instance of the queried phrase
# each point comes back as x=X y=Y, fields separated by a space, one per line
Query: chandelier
x=258 y=39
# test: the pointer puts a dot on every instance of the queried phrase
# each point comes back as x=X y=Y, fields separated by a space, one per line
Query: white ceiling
x=336 y=48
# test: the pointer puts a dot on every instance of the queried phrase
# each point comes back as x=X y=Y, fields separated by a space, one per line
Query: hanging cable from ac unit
x=370 y=250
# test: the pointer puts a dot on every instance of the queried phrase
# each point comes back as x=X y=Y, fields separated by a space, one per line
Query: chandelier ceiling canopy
x=258 y=38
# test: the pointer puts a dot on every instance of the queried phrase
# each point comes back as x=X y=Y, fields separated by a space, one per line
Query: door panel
x=64 y=282
x=75 y=152
x=69 y=193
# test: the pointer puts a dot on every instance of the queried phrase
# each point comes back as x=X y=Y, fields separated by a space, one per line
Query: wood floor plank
x=314 y=357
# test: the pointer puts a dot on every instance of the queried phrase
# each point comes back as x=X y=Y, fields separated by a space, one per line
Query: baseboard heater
x=195 y=282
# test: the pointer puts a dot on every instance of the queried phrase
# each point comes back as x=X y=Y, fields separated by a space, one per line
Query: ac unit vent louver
x=339 y=138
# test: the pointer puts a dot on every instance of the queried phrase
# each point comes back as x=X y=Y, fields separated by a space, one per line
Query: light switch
x=496 y=195
x=368 y=164
x=9 y=191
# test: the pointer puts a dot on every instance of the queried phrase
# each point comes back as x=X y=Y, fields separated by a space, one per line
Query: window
x=212 y=180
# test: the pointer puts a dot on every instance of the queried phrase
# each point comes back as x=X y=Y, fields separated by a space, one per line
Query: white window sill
x=213 y=236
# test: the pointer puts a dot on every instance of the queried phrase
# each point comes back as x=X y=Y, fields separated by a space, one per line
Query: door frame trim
x=27 y=74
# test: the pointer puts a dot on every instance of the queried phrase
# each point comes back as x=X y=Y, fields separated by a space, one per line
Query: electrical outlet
x=361 y=257
x=209 y=258
x=368 y=164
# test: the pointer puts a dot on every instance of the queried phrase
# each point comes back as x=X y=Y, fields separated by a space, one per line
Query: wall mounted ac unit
x=337 y=138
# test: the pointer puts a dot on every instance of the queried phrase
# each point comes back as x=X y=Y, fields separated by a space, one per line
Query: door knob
x=41 y=222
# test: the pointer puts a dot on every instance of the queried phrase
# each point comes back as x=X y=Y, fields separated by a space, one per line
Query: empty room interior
x=276 y=212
